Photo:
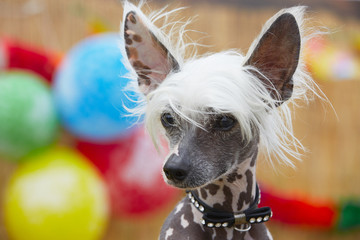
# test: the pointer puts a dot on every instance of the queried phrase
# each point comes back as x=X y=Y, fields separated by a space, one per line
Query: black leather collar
x=241 y=221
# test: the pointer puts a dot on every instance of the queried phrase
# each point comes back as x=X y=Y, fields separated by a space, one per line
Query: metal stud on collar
x=217 y=225
x=196 y=203
x=242 y=222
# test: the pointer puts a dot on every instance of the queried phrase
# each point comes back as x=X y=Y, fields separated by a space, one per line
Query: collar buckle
x=240 y=219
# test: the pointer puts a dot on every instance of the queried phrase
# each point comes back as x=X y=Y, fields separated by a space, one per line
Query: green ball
x=28 y=119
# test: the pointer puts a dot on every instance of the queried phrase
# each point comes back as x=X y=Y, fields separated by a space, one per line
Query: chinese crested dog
x=217 y=111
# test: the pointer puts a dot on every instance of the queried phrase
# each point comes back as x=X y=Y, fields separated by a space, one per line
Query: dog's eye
x=224 y=123
x=167 y=120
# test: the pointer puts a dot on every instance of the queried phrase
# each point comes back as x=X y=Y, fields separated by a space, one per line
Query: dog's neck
x=234 y=192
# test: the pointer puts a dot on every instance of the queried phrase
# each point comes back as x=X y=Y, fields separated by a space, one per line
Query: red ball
x=101 y=154
x=132 y=169
x=24 y=56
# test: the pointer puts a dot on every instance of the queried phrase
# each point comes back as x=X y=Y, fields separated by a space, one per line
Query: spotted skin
x=203 y=193
x=232 y=196
x=233 y=176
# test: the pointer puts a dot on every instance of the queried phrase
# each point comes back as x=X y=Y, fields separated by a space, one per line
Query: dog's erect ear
x=276 y=56
x=151 y=60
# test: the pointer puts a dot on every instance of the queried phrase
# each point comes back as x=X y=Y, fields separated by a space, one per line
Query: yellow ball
x=56 y=195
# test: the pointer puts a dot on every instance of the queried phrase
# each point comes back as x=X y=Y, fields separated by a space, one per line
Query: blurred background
x=73 y=165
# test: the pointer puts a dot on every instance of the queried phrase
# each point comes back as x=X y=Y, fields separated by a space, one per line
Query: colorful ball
x=132 y=169
x=103 y=155
x=319 y=56
x=89 y=90
x=28 y=120
x=328 y=62
x=345 y=66
x=25 y=56
x=56 y=195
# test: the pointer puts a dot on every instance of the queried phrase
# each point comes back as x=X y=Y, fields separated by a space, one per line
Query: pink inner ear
x=148 y=56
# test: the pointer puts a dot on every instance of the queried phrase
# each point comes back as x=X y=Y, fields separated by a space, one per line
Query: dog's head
x=215 y=110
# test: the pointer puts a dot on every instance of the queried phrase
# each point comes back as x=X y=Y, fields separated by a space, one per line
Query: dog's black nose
x=174 y=171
